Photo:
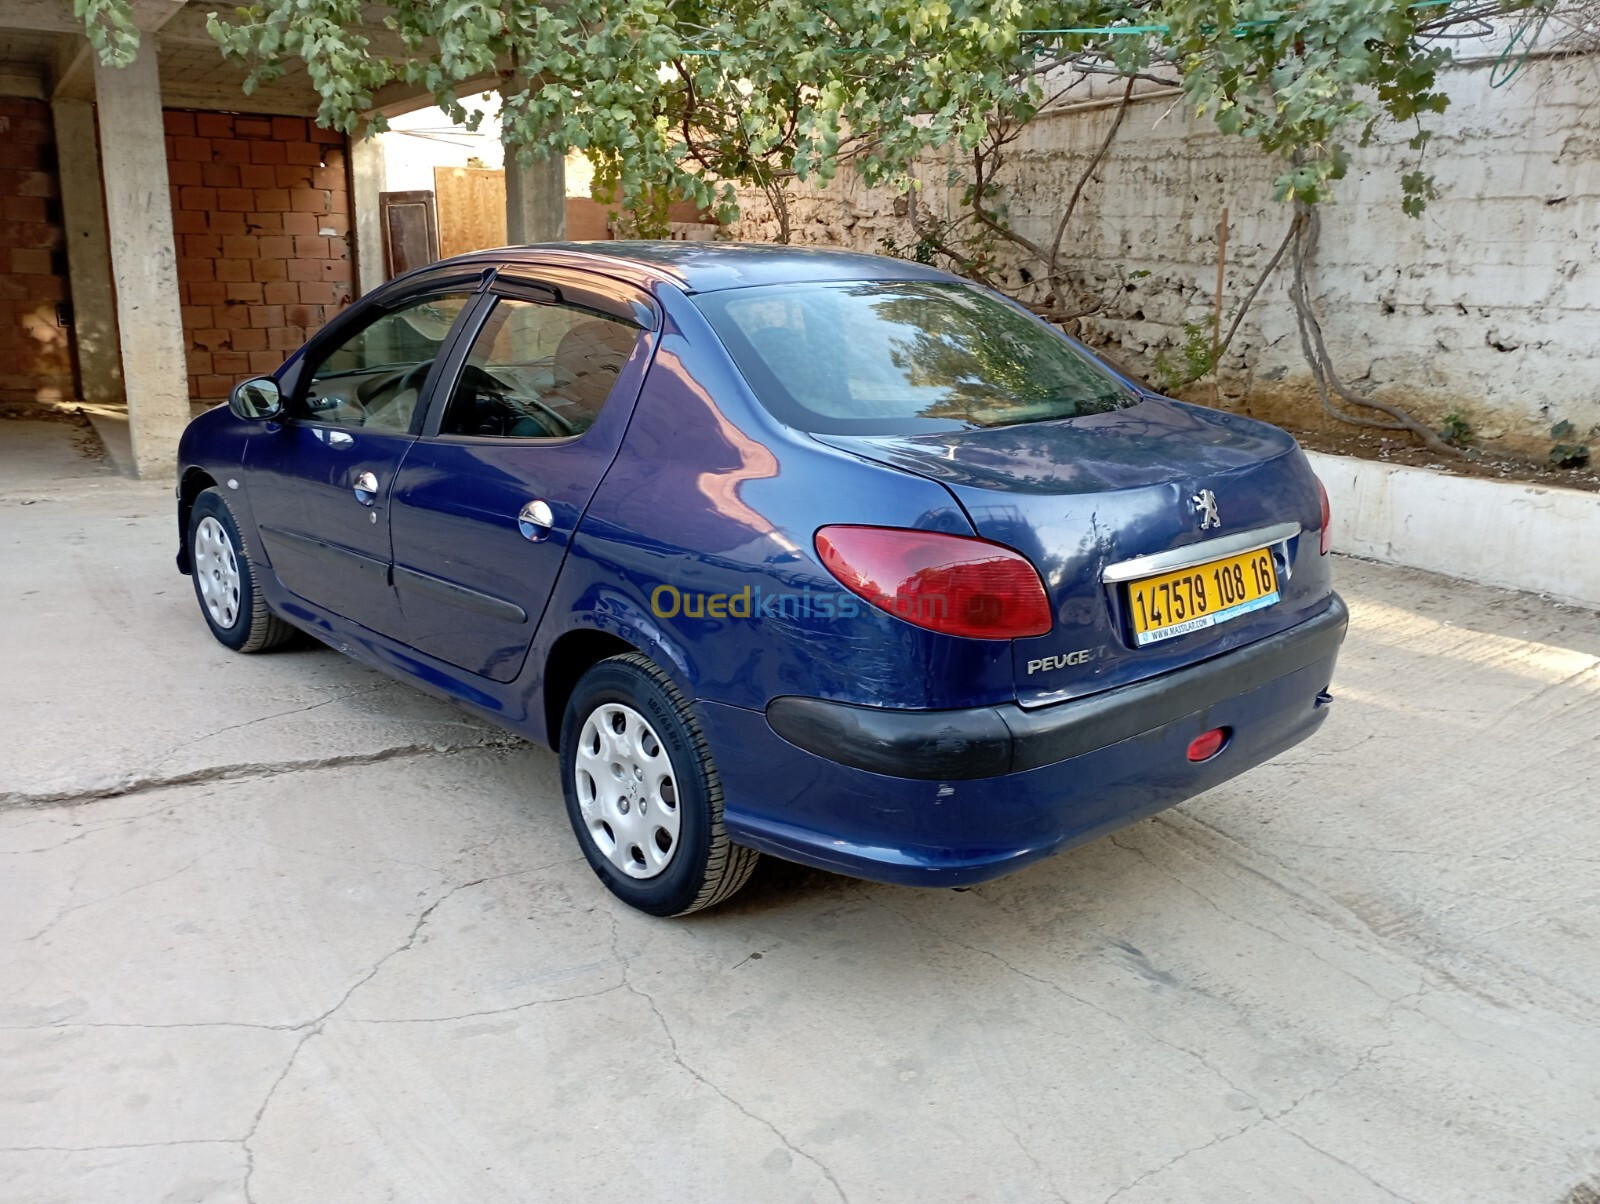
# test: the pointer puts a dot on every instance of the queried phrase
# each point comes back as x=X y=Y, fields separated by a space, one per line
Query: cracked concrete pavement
x=276 y=929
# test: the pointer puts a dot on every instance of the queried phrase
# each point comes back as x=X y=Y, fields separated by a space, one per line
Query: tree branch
x=980 y=182
x=1072 y=203
x=1307 y=229
x=1233 y=329
x=966 y=264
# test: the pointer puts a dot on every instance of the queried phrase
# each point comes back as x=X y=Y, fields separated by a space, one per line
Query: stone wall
x=1488 y=305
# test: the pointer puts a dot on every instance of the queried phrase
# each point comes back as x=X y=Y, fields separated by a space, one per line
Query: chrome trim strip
x=1198 y=553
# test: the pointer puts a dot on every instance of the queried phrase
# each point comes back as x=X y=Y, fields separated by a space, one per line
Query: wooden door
x=472 y=208
x=410 y=231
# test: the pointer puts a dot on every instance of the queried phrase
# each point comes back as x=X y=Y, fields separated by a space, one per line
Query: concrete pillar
x=366 y=182
x=94 y=302
x=536 y=200
x=143 y=259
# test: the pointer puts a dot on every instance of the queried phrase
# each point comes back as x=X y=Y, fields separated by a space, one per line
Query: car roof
x=705 y=267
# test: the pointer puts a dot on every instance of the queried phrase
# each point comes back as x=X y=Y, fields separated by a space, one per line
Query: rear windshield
x=888 y=357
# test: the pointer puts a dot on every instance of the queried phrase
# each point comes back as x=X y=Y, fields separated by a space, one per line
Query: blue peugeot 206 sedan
x=823 y=555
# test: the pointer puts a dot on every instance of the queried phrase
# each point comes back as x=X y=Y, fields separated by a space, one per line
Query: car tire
x=643 y=794
x=224 y=576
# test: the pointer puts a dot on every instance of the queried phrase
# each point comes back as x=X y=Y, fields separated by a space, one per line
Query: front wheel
x=643 y=794
x=225 y=579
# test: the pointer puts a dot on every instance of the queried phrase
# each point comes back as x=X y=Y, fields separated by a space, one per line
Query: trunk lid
x=1080 y=495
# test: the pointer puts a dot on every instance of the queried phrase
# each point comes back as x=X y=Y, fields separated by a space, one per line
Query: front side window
x=374 y=378
x=538 y=370
x=885 y=357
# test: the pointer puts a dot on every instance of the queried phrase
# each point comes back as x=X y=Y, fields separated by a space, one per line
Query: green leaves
x=1417 y=190
x=673 y=96
x=110 y=29
x=1302 y=81
x=1567 y=452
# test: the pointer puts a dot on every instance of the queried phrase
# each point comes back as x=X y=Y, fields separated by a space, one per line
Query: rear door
x=527 y=422
x=320 y=484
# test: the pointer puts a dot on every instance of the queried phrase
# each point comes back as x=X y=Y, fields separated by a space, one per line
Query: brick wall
x=35 y=350
x=261 y=213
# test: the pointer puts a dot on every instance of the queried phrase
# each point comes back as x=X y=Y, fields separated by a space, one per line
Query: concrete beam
x=18 y=79
x=536 y=200
x=72 y=74
x=144 y=262
x=151 y=15
x=56 y=16
x=39 y=16
x=398 y=99
x=94 y=304
x=188 y=27
x=229 y=98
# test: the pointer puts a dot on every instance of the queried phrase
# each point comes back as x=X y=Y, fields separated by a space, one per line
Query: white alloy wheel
x=216 y=570
x=626 y=791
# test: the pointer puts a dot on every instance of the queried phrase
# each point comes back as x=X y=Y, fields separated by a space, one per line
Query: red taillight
x=1327 y=520
x=1208 y=744
x=952 y=584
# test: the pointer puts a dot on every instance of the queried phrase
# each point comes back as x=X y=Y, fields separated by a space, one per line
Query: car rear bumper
x=950 y=798
x=983 y=742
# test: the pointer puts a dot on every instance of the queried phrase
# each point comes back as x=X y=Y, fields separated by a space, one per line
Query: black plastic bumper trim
x=459 y=595
x=328 y=552
x=982 y=742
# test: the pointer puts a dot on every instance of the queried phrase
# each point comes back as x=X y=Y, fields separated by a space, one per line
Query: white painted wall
x=1526 y=537
x=1490 y=303
x=416 y=143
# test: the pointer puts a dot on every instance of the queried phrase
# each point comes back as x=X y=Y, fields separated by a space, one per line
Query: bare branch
x=1307 y=228
x=1233 y=329
x=965 y=264
x=980 y=183
x=1072 y=204
x=1091 y=68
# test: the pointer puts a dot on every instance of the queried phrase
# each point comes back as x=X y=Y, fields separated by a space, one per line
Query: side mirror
x=257 y=400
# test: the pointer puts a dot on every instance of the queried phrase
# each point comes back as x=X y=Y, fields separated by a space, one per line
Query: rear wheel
x=642 y=792
x=225 y=579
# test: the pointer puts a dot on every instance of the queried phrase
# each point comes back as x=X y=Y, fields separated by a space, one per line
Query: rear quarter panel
x=709 y=497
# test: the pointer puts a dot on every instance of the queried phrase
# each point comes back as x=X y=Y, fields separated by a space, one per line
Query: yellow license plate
x=1174 y=604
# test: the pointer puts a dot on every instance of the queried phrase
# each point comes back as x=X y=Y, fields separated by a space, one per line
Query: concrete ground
x=277 y=929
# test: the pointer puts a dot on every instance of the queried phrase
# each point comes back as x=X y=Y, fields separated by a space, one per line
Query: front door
x=320 y=485
x=486 y=503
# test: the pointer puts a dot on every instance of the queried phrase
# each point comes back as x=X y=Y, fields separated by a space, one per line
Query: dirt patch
x=1299 y=413
x=1395 y=448
x=43 y=411
x=84 y=439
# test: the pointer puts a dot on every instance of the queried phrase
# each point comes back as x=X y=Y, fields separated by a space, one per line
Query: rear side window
x=538 y=370
x=884 y=357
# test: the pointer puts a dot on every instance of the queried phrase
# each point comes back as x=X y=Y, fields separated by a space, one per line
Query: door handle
x=536 y=521
x=366 y=488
